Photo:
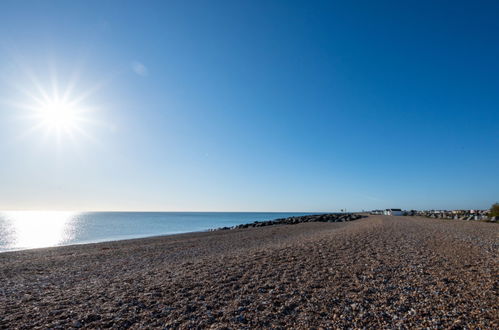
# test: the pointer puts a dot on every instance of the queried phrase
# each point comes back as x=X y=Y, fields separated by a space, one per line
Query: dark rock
x=92 y=318
x=331 y=217
x=240 y=319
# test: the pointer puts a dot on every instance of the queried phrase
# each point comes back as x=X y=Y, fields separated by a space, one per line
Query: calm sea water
x=32 y=229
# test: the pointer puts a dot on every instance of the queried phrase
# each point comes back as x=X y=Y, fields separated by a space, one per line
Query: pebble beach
x=377 y=271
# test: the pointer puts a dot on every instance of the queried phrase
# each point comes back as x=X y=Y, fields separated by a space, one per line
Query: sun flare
x=57 y=110
x=58 y=115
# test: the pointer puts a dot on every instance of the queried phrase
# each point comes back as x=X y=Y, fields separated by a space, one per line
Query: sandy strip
x=374 y=272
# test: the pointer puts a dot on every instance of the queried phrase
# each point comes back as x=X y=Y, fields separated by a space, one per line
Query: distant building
x=394 y=212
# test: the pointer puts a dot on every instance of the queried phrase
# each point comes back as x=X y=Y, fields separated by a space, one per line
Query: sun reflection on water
x=36 y=229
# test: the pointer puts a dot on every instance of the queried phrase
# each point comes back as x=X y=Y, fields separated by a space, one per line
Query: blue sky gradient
x=254 y=105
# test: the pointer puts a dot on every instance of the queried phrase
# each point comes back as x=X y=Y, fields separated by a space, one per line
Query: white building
x=394 y=212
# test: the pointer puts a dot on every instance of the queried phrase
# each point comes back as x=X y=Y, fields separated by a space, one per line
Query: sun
x=58 y=115
x=57 y=110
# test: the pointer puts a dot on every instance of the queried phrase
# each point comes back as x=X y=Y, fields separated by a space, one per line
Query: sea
x=20 y=230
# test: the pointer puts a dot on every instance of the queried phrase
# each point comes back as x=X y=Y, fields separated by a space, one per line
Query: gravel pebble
x=379 y=271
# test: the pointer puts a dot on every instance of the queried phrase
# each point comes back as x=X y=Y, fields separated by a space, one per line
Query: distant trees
x=494 y=210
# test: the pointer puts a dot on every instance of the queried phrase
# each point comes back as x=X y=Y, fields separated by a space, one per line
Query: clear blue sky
x=251 y=105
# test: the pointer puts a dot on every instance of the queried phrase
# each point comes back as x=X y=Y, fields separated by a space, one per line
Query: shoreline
x=376 y=271
x=324 y=217
x=106 y=241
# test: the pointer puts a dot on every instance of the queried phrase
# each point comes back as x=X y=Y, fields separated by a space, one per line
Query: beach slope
x=374 y=272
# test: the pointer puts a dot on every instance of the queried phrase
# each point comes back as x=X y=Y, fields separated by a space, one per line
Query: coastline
x=75 y=228
x=376 y=271
x=106 y=240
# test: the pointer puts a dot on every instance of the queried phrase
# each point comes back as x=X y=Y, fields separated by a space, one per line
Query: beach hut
x=394 y=212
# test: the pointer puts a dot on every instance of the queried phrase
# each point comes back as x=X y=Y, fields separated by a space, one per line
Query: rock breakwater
x=329 y=217
x=459 y=215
